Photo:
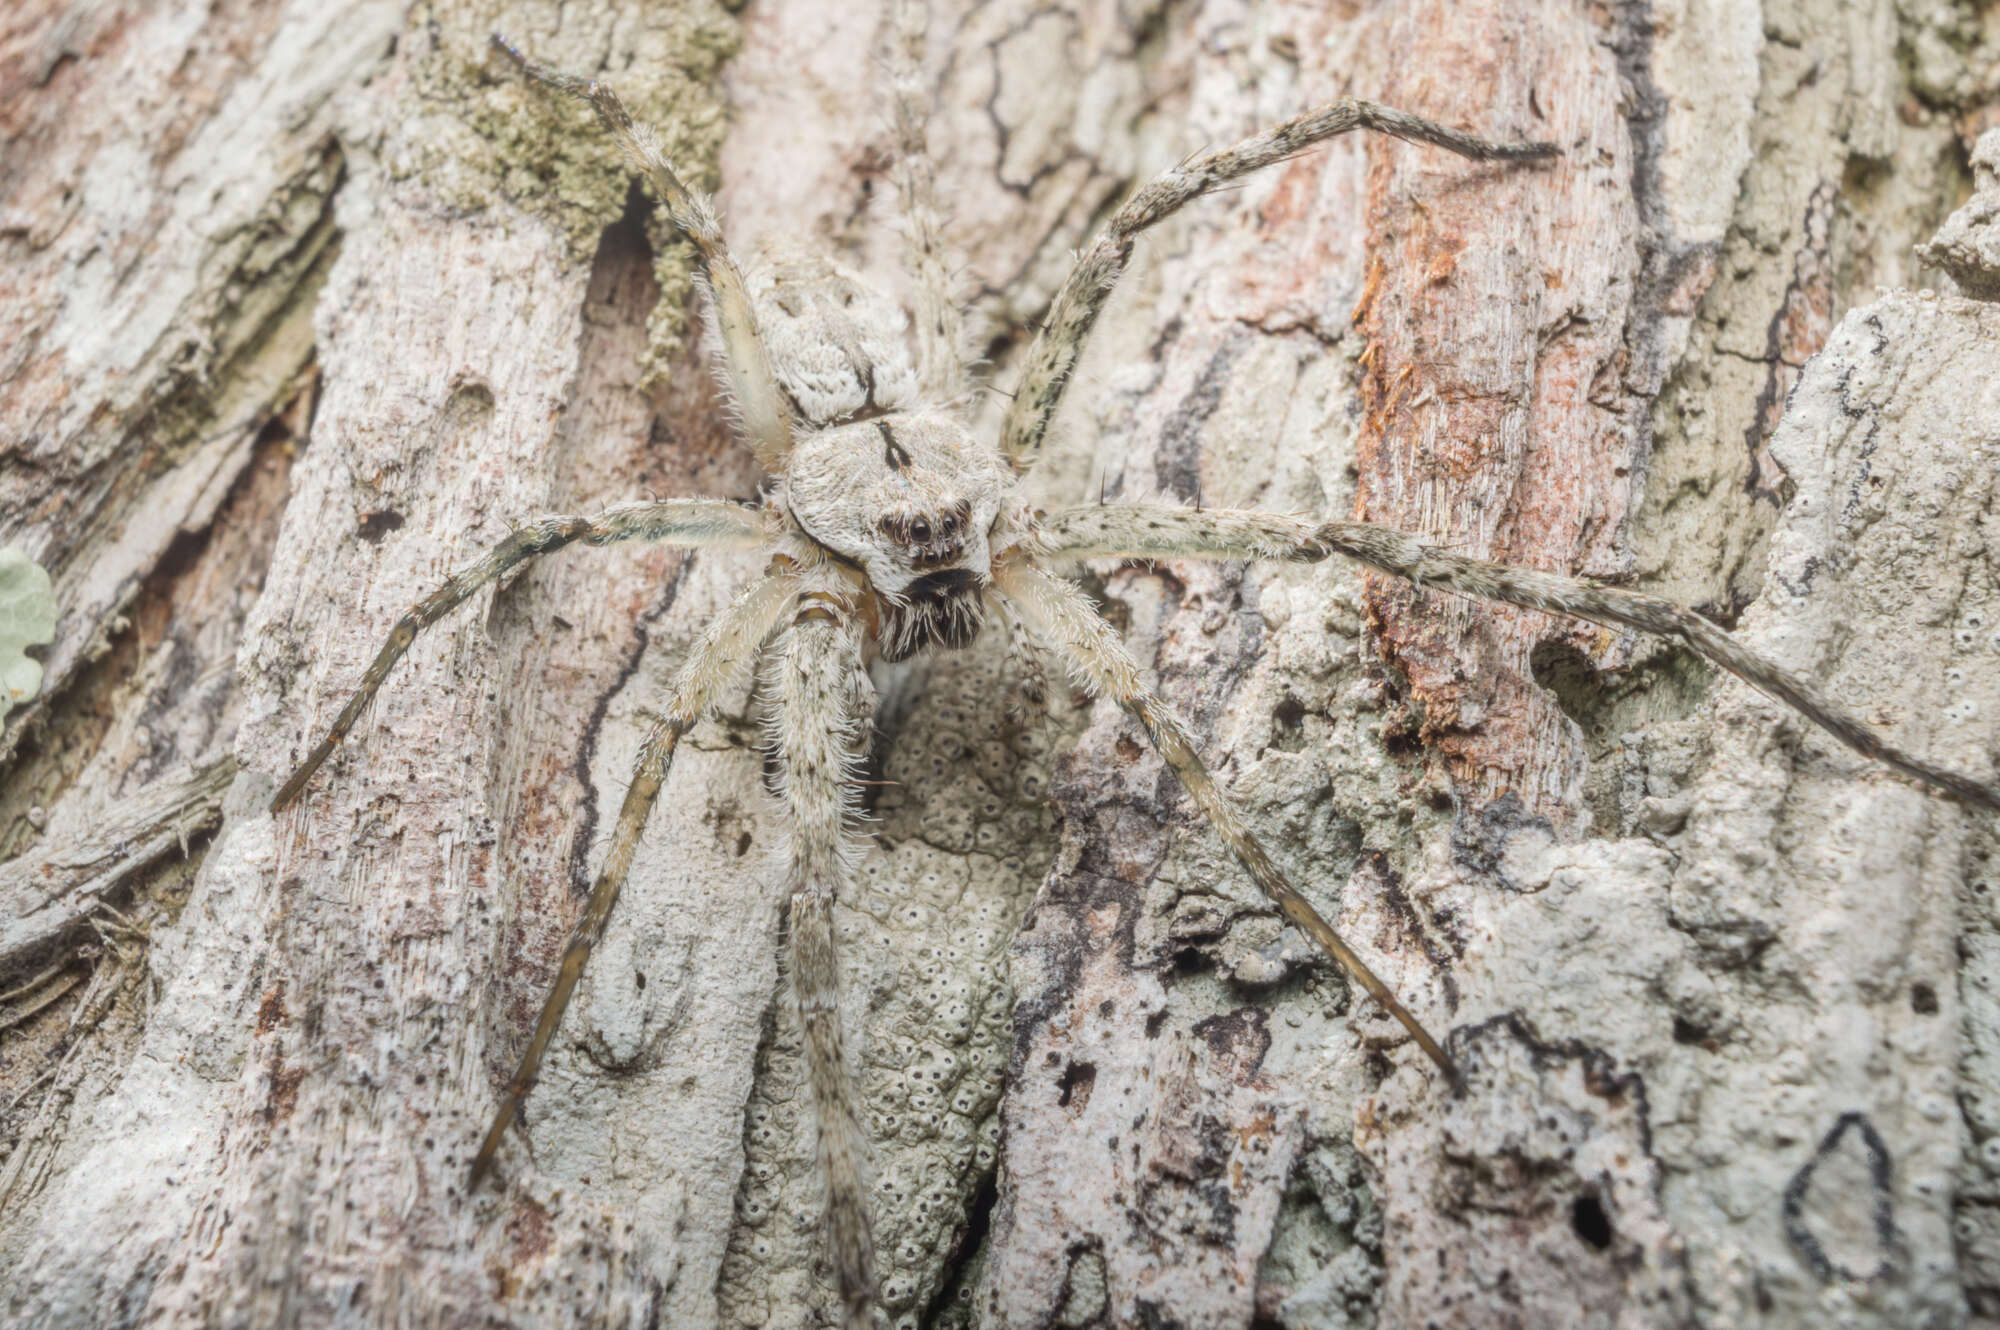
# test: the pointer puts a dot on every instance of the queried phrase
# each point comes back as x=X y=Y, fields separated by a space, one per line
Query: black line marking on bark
x=1767 y=480
x=1479 y=839
x=586 y=808
x=1375 y=864
x=1600 y=1069
x=1880 y=1173
x=1667 y=263
x=1177 y=458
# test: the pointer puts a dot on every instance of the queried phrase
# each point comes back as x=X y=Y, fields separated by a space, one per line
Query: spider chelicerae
x=892 y=529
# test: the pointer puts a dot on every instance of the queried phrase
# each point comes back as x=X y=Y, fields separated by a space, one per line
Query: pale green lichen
x=493 y=136
x=27 y=618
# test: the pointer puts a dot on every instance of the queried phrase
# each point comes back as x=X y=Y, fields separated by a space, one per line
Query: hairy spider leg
x=714 y=662
x=766 y=423
x=1028 y=680
x=1150 y=531
x=1053 y=356
x=824 y=702
x=1065 y=618
x=938 y=326
x=712 y=523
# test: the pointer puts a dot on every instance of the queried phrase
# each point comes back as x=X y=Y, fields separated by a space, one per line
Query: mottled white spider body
x=890 y=522
x=912 y=501
x=839 y=348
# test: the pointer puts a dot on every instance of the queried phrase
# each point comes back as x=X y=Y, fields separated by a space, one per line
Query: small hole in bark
x=1400 y=739
x=1288 y=725
x=1587 y=1217
x=1077 y=1083
x=374 y=526
x=1577 y=685
x=1688 y=1033
x=1924 y=1000
x=1189 y=961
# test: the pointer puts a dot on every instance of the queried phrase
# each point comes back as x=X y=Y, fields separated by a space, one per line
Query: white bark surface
x=313 y=301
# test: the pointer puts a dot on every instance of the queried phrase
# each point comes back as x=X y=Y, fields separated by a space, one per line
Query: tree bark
x=311 y=301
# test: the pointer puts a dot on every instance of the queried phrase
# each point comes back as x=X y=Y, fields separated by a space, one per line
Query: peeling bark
x=306 y=303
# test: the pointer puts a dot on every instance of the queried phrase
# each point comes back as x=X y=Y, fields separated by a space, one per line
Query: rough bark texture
x=306 y=302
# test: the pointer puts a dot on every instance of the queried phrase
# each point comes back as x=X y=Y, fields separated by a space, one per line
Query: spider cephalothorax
x=910 y=500
x=889 y=518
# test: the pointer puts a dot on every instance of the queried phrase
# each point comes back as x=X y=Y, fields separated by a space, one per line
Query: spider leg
x=1065 y=618
x=1052 y=358
x=1027 y=682
x=1145 y=531
x=717 y=657
x=940 y=340
x=744 y=360
x=698 y=522
x=822 y=707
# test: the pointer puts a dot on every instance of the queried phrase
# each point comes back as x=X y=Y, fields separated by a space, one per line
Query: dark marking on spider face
x=894 y=454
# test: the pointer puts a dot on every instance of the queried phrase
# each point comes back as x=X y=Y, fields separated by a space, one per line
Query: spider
x=893 y=529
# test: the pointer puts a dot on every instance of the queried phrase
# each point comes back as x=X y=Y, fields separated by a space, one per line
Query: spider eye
x=920 y=531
